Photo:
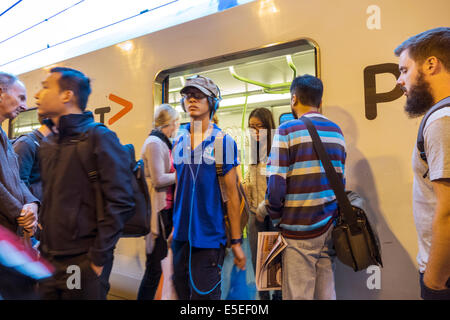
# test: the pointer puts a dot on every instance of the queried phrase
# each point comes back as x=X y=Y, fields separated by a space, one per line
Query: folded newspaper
x=268 y=260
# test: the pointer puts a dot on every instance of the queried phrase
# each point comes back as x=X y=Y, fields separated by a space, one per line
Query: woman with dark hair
x=262 y=128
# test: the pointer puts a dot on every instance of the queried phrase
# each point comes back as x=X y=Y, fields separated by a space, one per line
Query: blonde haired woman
x=160 y=177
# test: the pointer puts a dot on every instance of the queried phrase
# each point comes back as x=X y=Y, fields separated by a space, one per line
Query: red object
x=16 y=255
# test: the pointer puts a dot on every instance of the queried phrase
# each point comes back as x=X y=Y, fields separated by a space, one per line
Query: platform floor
x=165 y=291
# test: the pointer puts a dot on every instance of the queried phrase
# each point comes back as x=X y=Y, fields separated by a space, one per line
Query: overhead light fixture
x=267 y=7
x=126 y=46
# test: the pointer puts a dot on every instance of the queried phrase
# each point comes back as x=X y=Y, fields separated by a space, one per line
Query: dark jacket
x=68 y=217
x=26 y=148
x=13 y=192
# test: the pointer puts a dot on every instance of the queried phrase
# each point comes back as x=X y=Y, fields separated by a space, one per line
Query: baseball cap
x=204 y=84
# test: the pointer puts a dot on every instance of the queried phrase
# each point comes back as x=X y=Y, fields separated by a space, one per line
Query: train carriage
x=252 y=51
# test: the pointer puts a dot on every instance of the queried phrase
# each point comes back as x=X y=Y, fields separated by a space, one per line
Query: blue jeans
x=308 y=268
x=206 y=266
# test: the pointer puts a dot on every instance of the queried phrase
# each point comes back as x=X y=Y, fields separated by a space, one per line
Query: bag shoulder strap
x=35 y=140
x=35 y=137
x=85 y=151
x=420 y=138
x=32 y=135
x=218 y=155
x=335 y=182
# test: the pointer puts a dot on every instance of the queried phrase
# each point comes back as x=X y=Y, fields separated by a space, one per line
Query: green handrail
x=266 y=86
x=276 y=91
x=243 y=145
x=291 y=64
x=243 y=135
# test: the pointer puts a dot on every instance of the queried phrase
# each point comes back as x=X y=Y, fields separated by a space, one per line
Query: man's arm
x=437 y=145
x=9 y=205
x=24 y=215
x=230 y=180
x=26 y=156
x=437 y=272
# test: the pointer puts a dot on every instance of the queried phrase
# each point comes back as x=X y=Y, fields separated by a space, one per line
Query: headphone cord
x=190 y=239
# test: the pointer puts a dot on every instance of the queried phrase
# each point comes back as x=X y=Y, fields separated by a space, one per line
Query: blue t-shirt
x=198 y=201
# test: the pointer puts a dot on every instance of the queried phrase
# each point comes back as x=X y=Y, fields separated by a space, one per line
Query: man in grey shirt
x=425 y=78
x=18 y=207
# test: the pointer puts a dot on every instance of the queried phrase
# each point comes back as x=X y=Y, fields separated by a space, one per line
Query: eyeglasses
x=257 y=127
x=196 y=95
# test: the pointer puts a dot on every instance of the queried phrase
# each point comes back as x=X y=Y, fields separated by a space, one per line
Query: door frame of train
x=161 y=89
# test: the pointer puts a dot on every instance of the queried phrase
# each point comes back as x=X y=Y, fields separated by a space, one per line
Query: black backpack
x=138 y=223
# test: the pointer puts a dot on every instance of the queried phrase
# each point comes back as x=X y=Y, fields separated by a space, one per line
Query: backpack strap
x=218 y=155
x=85 y=151
x=420 y=138
x=32 y=135
x=35 y=137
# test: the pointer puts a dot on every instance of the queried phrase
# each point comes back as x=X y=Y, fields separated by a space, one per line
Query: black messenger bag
x=355 y=242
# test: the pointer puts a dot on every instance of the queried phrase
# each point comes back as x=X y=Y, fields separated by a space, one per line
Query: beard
x=294 y=113
x=419 y=99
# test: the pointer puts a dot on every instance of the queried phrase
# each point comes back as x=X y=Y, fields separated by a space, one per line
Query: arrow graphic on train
x=127 y=106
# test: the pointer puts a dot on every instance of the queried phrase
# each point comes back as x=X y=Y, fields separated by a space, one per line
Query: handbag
x=355 y=242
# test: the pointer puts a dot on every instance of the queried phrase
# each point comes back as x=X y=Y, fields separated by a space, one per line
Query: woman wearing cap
x=160 y=177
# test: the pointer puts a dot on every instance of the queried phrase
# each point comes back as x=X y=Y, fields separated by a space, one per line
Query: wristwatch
x=236 y=241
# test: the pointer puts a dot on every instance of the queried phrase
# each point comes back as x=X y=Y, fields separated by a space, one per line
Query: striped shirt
x=299 y=197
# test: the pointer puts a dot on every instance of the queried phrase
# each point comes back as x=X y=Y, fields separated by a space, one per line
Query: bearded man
x=425 y=78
